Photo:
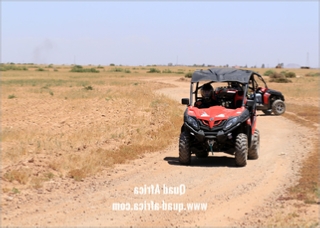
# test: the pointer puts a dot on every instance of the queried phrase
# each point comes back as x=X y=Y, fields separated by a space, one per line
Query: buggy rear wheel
x=278 y=107
x=253 y=152
x=184 y=149
x=241 y=147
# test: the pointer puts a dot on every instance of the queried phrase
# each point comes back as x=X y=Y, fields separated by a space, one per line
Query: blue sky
x=144 y=33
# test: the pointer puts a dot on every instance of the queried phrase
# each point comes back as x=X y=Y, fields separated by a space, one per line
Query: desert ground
x=78 y=148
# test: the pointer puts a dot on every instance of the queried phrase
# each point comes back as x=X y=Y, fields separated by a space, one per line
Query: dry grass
x=305 y=87
x=308 y=187
x=78 y=132
x=20 y=175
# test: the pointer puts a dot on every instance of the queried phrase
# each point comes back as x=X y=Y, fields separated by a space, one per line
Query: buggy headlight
x=191 y=121
x=230 y=123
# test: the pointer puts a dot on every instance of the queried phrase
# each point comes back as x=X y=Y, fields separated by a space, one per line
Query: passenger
x=208 y=98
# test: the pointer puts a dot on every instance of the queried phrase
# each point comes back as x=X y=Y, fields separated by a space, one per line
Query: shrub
x=290 y=75
x=127 y=71
x=269 y=72
x=188 y=75
x=167 y=71
x=89 y=87
x=11 y=67
x=11 y=96
x=93 y=70
x=15 y=190
x=40 y=69
x=313 y=74
x=279 y=77
x=117 y=69
x=154 y=70
x=78 y=68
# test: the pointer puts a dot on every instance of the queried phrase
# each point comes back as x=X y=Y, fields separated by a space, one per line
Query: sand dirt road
x=232 y=196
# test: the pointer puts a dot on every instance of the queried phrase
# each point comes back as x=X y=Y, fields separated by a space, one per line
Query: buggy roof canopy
x=222 y=75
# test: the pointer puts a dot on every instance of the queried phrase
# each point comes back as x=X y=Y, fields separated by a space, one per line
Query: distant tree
x=112 y=64
x=280 y=65
x=262 y=66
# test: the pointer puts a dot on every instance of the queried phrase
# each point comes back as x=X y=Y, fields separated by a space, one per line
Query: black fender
x=246 y=129
x=182 y=128
x=274 y=95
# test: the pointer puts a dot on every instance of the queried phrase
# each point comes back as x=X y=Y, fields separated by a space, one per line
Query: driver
x=236 y=86
x=208 y=98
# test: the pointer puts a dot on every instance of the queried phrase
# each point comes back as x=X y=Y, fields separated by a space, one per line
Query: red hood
x=213 y=115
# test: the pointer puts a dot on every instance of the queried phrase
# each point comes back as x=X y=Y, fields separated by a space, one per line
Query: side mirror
x=185 y=101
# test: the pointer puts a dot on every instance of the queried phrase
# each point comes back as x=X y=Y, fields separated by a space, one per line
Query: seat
x=238 y=97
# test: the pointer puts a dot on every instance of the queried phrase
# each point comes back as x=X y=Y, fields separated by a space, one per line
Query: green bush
x=117 y=69
x=89 y=87
x=167 y=71
x=279 y=77
x=11 y=96
x=93 y=70
x=78 y=68
x=269 y=72
x=154 y=70
x=40 y=69
x=188 y=75
x=11 y=67
x=290 y=75
x=313 y=74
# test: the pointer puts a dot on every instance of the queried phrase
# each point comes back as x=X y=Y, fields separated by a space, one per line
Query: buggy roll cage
x=243 y=77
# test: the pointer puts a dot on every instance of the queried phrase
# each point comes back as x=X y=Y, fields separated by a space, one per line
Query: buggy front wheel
x=184 y=149
x=241 y=152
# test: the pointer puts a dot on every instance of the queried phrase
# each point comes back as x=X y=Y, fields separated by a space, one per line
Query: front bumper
x=217 y=133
